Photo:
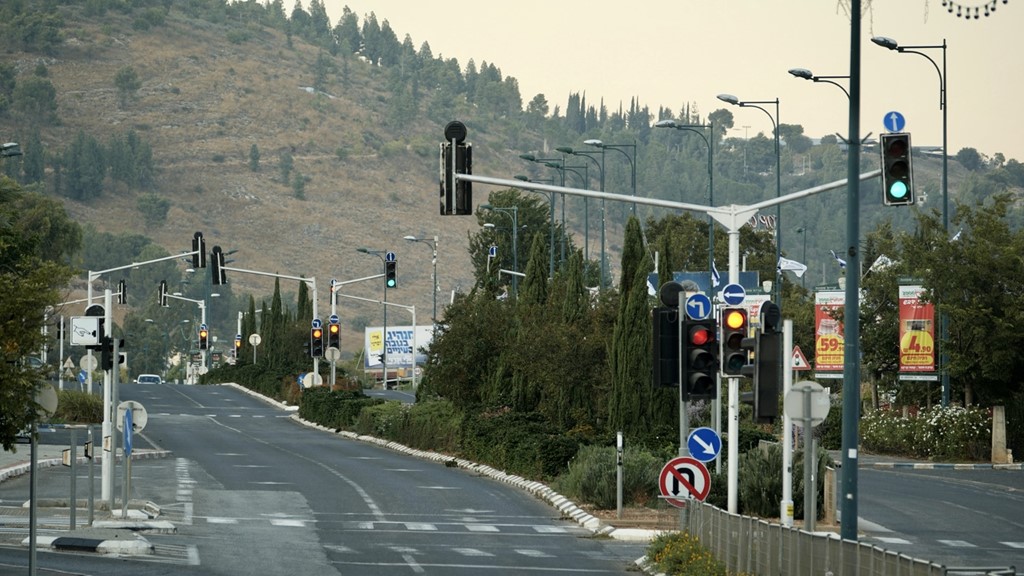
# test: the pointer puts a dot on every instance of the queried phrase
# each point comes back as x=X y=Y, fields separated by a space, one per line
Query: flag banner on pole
x=716 y=278
x=842 y=263
x=793 y=266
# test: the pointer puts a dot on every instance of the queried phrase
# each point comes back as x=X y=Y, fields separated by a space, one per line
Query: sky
x=672 y=53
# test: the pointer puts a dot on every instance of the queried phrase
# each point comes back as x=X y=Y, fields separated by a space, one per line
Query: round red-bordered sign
x=683 y=478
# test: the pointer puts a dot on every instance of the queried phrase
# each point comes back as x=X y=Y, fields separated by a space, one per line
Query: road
x=957 y=518
x=252 y=491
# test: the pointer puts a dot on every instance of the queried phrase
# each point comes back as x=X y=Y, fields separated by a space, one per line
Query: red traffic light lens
x=701 y=336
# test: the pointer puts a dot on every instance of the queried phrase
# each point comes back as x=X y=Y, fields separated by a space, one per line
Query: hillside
x=204 y=101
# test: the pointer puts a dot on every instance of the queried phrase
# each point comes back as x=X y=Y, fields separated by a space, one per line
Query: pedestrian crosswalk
x=895 y=541
x=407 y=526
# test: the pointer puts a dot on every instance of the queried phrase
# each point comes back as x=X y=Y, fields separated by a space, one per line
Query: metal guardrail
x=754 y=546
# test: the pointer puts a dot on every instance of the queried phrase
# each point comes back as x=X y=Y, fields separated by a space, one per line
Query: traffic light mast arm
x=94 y=275
x=311 y=281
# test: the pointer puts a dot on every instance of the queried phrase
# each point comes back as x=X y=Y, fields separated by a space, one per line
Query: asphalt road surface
x=251 y=491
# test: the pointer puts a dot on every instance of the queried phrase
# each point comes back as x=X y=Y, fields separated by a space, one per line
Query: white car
x=149 y=379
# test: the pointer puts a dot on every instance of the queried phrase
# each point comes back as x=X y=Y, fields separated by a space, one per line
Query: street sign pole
x=786 y=507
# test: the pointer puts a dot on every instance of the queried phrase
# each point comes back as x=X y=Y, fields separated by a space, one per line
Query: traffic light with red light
x=735 y=327
x=204 y=338
x=334 y=335
x=316 y=342
x=700 y=358
x=897 y=170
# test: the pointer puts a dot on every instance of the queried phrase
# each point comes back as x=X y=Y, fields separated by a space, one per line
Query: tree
x=254 y=158
x=154 y=208
x=36 y=98
x=36 y=237
x=970 y=159
x=128 y=84
x=285 y=165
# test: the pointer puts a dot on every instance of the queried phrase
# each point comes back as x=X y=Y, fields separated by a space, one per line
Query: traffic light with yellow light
x=700 y=358
x=735 y=327
x=316 y=342
x=334 y=335
x=204 y=338
x=897 y=169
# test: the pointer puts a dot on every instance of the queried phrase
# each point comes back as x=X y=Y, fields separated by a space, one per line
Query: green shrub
x=519 y=443
x=759 y=488
x=591 y=477
x=337 y=409
x=681 y=554
x=950 y=433
x=77 y=407
x=382 y=420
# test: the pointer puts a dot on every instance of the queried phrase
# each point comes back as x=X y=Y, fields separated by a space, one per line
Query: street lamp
x=891 y=44
x=807 y=75
x=730 y=99
x=586 y=207
x=709 y=142
x=551 y=204
x=384 y=335
x=584 y=178
x=632 y=167
x=512 y=212
x=803 y=231
x=433 y=252
x=8 y=149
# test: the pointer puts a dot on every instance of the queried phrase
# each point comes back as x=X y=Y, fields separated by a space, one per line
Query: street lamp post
x=586 y=201
x=512 y=212
x=551 y=205
x=709 y=142
x=584 y=178
x=807 y=75
x=384 y=335
x=730 y=99
x=433 y=261
x=632 y=168
x=891 y=44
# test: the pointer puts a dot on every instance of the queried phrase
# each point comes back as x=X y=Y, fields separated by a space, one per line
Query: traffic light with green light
x=390 y=276
x=897 y=170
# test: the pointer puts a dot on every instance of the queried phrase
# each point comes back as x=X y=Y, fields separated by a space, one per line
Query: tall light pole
x=584 y=179
x=632 y=168
x=699 y=129
x=808 y=75
x=513 y=213
x=384 y=335
x=891 y=44
x=551 y=205
x=592 y=156
x=730 y=99
x=433 y=252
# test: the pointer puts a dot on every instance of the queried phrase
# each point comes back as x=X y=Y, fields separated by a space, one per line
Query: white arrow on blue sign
x=390 y=257
x=317 y=323
x=492 y=251
x=733 y=294
x=894 y=121
x=698 y=306
x=704 y=444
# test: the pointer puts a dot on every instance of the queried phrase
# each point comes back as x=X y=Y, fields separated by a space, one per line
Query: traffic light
x=217 y=273
x=734 y=329
x=122 y=293
x=700 y=358
x=897 y=170
x=769 y=364
x=198 y=251
x=456 y=197
x=334 y=335
x=107 y=353
x=665 y=345
x=390 y=278
x=316 y=342
x=204 y=338
x=238 y=344
x=161 y=294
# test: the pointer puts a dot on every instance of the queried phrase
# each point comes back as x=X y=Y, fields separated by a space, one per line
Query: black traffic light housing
x=198 y=251
x=122 y=292
x=161 y=293
x=735 y=327
x=334 y=335
x=456 y=196
x=700 y=358
x=107 y=353
x=390 y=273
x=204 y=338
x=217 y=273
x=316 y=342
x=665 y=345
x=897 y=169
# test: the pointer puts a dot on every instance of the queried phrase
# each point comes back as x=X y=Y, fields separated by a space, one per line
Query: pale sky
x=673 y=52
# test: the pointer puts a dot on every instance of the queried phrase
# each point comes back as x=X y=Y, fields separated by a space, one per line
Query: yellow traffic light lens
x=735 y=319
x=317 y=333
x=334 y=328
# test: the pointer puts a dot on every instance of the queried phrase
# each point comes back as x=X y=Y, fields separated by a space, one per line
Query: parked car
x=149 y=379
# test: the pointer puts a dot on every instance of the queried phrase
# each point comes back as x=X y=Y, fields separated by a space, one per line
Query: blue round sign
x=704 y=444
x=894 y=121
x=698 y=306
x=733 y=294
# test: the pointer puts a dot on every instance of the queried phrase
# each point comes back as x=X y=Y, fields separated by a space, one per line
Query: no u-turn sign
x=683 y=478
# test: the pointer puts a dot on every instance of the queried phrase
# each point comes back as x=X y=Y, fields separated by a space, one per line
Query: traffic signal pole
x=732 y=218
x=411 y=309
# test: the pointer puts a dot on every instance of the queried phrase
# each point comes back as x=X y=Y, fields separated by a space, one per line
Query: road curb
x=134 y=546
x=566 y=507
x=941 y=466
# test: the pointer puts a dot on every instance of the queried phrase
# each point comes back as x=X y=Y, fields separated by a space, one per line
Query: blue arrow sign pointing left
x=698 y=306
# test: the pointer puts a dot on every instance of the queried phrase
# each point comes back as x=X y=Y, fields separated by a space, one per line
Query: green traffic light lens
x=898 y=190
x=391 y=283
